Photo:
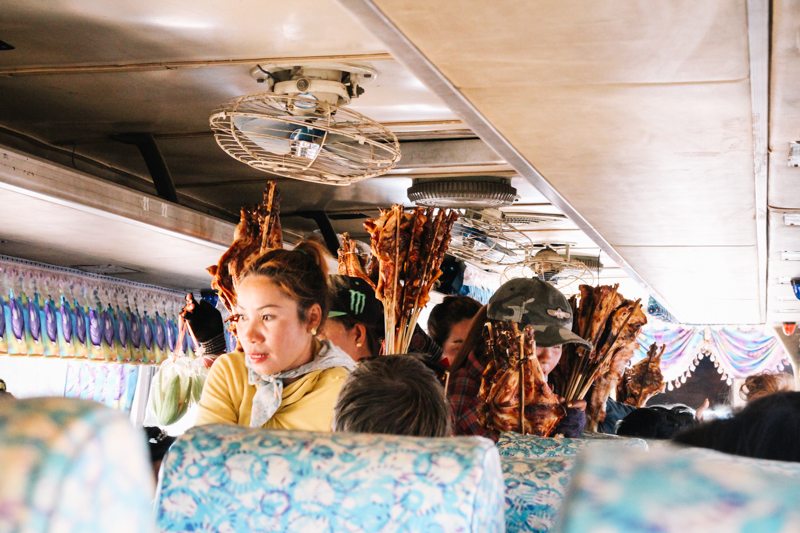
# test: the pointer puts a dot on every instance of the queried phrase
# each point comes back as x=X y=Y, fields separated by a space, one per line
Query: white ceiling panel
x=98 y=31
x=556 y=42
x=68 y=237
x=784 y=184
x=646 y=165
x=703 y=285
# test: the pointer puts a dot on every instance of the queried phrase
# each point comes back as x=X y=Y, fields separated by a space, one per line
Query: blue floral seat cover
x=680 y=490
x=518 y=445
x=74 y=466
x=228 y=478
x=535 y=490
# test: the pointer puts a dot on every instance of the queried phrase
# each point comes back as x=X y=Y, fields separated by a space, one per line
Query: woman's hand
x=580 y=405
x=577 y=404
x=204 y=320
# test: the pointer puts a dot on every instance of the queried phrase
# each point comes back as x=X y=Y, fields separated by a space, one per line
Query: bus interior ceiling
x=657 y=136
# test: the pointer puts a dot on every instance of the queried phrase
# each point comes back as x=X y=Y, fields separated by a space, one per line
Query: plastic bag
x=177 y=384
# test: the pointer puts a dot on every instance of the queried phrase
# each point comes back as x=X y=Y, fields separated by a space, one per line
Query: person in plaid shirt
x=463 y=389
x=526 y=301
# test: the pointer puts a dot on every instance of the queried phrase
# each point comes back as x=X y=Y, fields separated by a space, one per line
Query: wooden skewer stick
x=608 y=353
x=265 y=230
x=521 y=379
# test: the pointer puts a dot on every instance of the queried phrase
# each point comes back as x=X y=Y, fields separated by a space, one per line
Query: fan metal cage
x=300 y=137
x=548 y=265
x=484 y=239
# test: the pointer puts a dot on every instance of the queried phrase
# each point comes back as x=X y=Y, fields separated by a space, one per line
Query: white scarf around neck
x=269 y=388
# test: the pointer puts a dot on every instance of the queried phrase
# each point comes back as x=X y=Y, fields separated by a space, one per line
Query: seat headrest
x=667 y=489
x=518 y=445
x=535 y=490
x=72 y=465
x=235 y=478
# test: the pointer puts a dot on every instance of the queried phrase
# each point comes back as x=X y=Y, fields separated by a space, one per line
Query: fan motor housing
x=334 y=83
x=473 y=192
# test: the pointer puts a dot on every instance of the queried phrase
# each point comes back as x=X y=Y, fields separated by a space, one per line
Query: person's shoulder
x=229 y=362
x=337 y=373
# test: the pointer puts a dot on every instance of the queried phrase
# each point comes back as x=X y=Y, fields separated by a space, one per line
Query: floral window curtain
x=111 y=384
x=737 y=352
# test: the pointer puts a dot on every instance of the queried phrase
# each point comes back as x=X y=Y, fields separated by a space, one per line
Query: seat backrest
x=233 y=478
x=518 y=445
x=670 y=489
x=766 y=465
x=72 y=465
x=535 y=491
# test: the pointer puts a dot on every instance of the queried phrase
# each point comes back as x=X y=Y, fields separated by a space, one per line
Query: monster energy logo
x=358 y=300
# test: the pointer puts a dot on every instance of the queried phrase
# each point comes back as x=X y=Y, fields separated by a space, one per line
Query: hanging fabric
x=737 y=352
x=60 y=312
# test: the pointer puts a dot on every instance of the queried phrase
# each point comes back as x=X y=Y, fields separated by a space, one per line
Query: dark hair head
x=158 y=442
x=759 y=385
x=353 y=302
x=301 y=273
x=656 y=422
x=374 y=333
x=767 y=428
x=393 y=394
x=452 y=310
x=4 y=394
x=473 y=341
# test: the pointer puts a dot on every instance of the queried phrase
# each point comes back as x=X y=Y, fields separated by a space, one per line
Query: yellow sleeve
x=221 y=399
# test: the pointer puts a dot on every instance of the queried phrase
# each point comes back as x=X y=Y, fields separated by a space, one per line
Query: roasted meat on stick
x=625 y=323
x=514 y=390
x=258 y=231
x=644 y=379
x=408 y=247
x=349 y=263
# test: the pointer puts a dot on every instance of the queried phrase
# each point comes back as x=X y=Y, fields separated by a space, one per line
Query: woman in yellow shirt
x=286 y=378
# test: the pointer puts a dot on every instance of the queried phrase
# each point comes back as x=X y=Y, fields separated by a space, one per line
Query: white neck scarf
x=269 y=388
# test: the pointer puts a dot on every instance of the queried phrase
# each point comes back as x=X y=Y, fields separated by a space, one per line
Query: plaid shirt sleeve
x=464 y=386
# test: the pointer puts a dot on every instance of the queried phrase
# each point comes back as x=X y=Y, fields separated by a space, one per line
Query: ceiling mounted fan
x=485 y=239
x=491 y=238
x=300 y=128
x=562 y=270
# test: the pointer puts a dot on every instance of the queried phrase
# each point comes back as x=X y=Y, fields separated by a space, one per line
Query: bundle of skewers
x=610 y=323
x=409 y=246
x=514 y=394
x=258 y=231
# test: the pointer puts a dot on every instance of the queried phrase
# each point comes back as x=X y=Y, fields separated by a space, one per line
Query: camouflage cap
x=537 y=303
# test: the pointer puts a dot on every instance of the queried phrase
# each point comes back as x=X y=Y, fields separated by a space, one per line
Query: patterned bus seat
x=518 y=445
x=535 y=490
x=73 y=466
x=228 y=478
x=680 y=490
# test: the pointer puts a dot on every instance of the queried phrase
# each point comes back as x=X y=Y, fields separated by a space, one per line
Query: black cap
x=537 y=303
x=354 y=297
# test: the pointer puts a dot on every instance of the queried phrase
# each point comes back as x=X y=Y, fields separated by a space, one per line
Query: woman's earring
x=359 y=344
x=314 y=332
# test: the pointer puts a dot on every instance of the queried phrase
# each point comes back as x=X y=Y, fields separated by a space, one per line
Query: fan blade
x=270 y=135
